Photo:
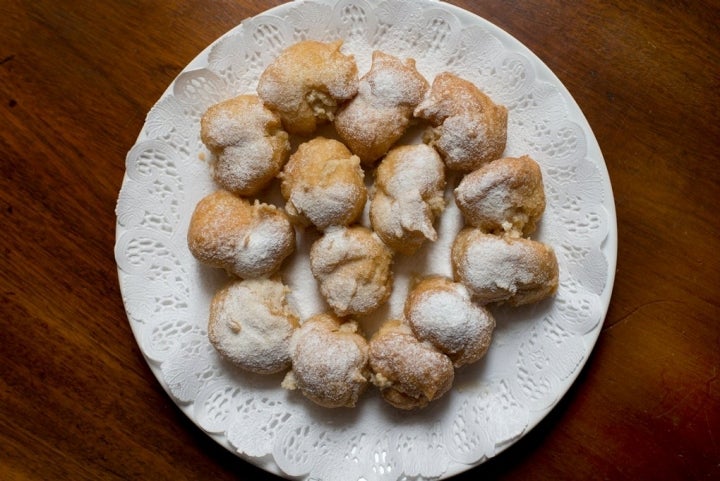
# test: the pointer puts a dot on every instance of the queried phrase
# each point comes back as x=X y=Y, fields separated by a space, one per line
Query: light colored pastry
x=504 y=269
x=251 y=325
x=248 y=240
x=441 y=312
x=306 y=83
x=352 y=266
x=323 y=184
x=469 y=130
x=408 y=196
x=503 y=196
x=247 y=141
x=381 y=112
x=329 y=362
x=410 y=373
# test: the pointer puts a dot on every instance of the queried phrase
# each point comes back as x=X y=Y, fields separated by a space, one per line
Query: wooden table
x=78 y=401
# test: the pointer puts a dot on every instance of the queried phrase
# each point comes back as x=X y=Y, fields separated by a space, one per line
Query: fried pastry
x=352 y=266
x=381 y=111
x=441 y=312
x=503 y=196
x=468 y=130
x=410 y=373
x=306 y=83
x=444 y=323
x=329 y=362
x=504 y=269
x=248 y=142
x=408 y=196
x=248 y=240
x=251 y=325
x=323 y=184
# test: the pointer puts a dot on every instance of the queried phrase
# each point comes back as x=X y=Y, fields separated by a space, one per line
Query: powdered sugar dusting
x=431 y=258
x=495 y=403
x=263 y=243
x=443 y=315
x=469 y=129
x=249 y=146
x=418 y=168
x=496 y=264
x=247 y=240
x=352 y=266
x=329 y=362
x=305 y=83
x=409 y=194
x=238 y=167
x=503 y=196
x=251 y=325
x=441 y=312
x=409 y=372
x=325 y=206
x=236 y=121
x=497 y=269
x=381 y=111
x=323 y=184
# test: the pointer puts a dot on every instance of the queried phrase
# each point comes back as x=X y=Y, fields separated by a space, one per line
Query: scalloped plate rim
x=609 y=245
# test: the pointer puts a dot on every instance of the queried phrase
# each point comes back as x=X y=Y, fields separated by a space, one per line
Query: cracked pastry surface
x=441 y=312
x=352 y=266
x=323 y=184
x=306 y=83
x=409 y=373
x=248 y=240
x=408 y=196
x=381 y=111
x=469 y=129
x=251 y=324
x=503 y=196
x=329 y=362
x=504 y=269
x=248 y=142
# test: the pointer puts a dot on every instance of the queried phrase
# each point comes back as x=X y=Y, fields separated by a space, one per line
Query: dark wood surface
x=77 y=400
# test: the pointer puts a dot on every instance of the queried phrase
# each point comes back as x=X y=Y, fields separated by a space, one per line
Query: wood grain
x=77 y=400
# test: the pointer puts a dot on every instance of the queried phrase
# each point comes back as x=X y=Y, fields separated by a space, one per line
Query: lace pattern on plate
x=537 y=350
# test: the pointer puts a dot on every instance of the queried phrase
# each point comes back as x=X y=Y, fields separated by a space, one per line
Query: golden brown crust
x=504 y=269
x=381 y=112
x=469 y=128
x=329 y=362
x=352 y=266
x=441 y=312
x=250 y=324
x=323 y=184
x=409 y=373
x=247 y=141
x=412 y=360
x=408 y=197
x=505 y=196
x=248 y=240
x=307 y=82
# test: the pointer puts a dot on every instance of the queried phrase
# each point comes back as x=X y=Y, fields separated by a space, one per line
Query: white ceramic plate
x=537 y=351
